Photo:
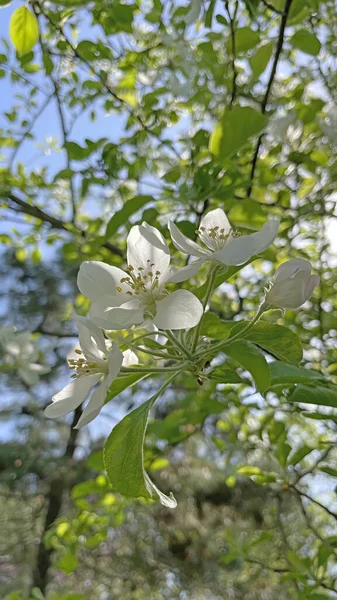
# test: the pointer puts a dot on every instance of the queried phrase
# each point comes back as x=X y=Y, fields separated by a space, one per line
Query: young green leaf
x=306 y=42
x=121 y=216
x=23 y=30
x=252 y=359
x=234 y=130
x=124 y=458
x=318 y=394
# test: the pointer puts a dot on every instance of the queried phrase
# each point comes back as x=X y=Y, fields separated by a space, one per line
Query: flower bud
x=291 y=286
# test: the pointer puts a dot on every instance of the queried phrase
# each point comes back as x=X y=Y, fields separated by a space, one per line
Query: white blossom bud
x=291 y=286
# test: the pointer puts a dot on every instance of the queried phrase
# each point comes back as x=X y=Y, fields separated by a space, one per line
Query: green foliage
x=114 y=115
x=234 y=130
x=24 y=30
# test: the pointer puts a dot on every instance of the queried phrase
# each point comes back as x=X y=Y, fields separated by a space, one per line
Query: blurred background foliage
x=127 y=111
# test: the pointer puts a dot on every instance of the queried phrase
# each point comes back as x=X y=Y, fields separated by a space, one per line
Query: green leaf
x=282 y=450
x=121 y=384
x=234 y=130
x=306 y=42
x=299 y=455
x=320 y=395
x=329 y=471
x=289 y=374
x=124 y=458
x=280 y=341
x=225 y=375
x=213 y=327
x=324 y=554
x=95 y=460
x=245 y=39
x=121 y=217
x=3 y=4
x=252 y=359
x=260 y=60
x=68 y=563
x=23 y=30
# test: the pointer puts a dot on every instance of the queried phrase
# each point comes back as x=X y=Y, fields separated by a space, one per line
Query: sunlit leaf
x=23 y=30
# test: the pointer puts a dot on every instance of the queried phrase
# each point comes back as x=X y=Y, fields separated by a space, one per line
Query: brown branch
x=264 y=103
x=62 y=123
x=28 y=130
x=38 y=213
x=305 y=495
x=233 y=52
x=105 y=85
x=58 y=487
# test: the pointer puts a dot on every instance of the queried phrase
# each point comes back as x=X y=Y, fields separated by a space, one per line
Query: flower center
x=143 y=282
x=84 y=368
x=214 y=237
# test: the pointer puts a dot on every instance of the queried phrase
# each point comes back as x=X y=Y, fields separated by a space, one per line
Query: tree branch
x=277 y=56
x=38 y=213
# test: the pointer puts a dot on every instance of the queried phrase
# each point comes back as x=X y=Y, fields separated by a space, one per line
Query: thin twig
x=264 y=103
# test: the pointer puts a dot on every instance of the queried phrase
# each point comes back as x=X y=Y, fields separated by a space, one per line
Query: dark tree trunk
x=58 y=487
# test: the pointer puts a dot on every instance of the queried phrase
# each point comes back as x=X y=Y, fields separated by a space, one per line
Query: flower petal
x=312 y=282
x=147 y=249
x=183 y=243
x=71 y=396
x=185 y=273
x=180 y=310
x=290 y=267
x=215 y=218
x=115 y=358
x=96 y=278
x=242 y=248
x=122 y=317
x=28 y=376
x=91 y=338
x=129 y=358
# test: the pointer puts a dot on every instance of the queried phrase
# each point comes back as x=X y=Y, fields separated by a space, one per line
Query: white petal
x=289 y=268
x=194 y=12
x=91 y=338
x=216 y=218
x=180 y=310
x=312 y=282
x=37 y=368
x=96 y=278
x=146 y=247
x=129 y=358
x=93 y=407
x=71 y=396
x=183 y=243
x=122 y=317
x=28 y=376
x=241 y=249
x=289 y=293
x=185 y=273
x=97 y=400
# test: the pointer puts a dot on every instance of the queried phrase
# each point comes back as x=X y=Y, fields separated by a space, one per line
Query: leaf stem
x=212 y=274
x=239 y=334
x=150 y=370
x=177 y=343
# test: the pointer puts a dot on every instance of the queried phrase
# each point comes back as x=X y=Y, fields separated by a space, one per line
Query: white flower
x=194 y=12
x=285 y=128
x=291 y=286
x=21 y=354
x=329 y=124
x=121 y=299
x=220 y=243
x=94 y=363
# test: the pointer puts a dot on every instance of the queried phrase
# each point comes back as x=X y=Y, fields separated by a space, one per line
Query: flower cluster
x=139 y=297
x=21 y=354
